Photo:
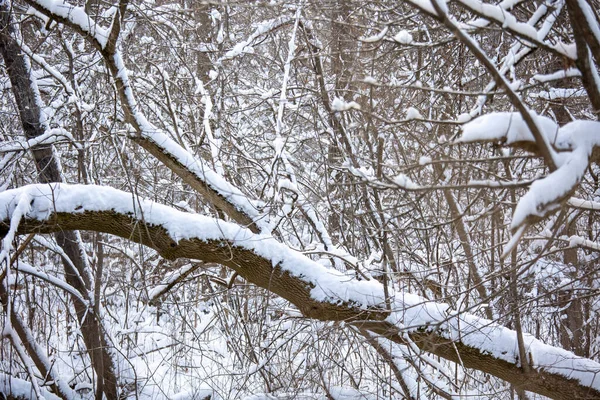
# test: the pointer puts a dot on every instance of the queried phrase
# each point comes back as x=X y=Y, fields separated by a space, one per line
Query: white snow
x=568 y=73
x=413 y=113
x=424 y=160
x=590 y=19
x=50 y=136
x=545 y=195
x=502 y=16
x=341 y=105
x=506 y=126
x=577 y=139
x=287 y=184
x=375 y=38
x=559 y=93
x=585 y=204
x=19 y=388
x=403 y=37
x=500 y=342
x=405 y=182
x=245 y=46
x=330 y=285
x=464 y=117
x=195 y=165
x=76 y=16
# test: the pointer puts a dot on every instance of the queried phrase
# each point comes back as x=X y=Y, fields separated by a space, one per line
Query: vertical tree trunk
x=77 y=273
x=572 y=326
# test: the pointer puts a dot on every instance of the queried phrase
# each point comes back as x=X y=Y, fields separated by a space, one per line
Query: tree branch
x=318 y=292
x=193 y=171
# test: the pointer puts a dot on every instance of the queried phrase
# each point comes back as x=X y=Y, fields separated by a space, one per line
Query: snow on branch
x=245 y=46
x=44 y=276
x=500 y=15
x=317 y=291
x=192 y=170
x=571 y=144
x=73 y=16
x=51 y=136
x=507 y=128
x=21 y=389
x=46 y=202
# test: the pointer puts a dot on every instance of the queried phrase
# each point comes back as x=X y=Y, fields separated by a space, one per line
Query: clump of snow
x=215 y=14
x=506 y=127
x=375 y=38
x=405 y=182
x=403 y=37
x=349 y=393
x=146 y=40
x=545 y=195
x=424 y=160
x=341 y=105
x=238 y=49
x=19 y=388
x=287 y=184
x=413 y=113
x=465 y=117
x=577 y=139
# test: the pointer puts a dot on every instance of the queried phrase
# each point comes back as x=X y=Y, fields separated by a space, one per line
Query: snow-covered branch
x=317 y=291
x=74 y=16
x=573 y=145
x=192 y=170
x=51 y=136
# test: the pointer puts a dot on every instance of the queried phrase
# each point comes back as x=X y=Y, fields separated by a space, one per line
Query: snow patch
x=413 y=113
x=403 y=37
x=341 y=105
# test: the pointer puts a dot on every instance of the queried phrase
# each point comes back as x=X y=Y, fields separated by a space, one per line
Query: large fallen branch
x=318 y=292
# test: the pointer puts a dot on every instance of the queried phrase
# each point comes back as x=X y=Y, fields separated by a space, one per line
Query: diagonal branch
x=192 y=170
x=540 y=140
x=588 y=49
x=318 y=292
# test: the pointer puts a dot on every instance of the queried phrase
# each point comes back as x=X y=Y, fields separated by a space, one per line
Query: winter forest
x=299 y=199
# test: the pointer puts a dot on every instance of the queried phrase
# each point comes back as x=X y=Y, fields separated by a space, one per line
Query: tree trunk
x=77 y=273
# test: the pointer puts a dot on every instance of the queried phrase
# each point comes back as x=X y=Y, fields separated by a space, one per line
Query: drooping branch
x=192 y=170
x=576 y=143
x=318 y=292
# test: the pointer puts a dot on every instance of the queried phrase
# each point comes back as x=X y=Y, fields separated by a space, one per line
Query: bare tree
x=405 y=189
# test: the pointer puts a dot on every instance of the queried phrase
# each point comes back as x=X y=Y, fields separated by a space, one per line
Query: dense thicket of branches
x=313 y=199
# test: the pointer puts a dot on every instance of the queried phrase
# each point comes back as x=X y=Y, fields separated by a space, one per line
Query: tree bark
x=263 y=272
x=28 y=102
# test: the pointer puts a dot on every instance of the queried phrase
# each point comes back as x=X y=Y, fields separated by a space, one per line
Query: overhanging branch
x=318 y=292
